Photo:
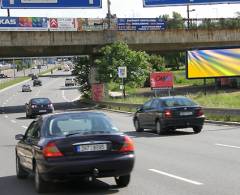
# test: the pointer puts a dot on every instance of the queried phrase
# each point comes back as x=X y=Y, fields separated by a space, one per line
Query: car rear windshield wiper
x=87 y=133
x=71 y=134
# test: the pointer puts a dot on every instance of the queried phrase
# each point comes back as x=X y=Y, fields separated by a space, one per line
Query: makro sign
x=159 y=80
x=159 y=3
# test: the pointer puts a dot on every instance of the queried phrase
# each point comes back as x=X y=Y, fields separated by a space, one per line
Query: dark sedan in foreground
x=74 y=145
x=169 y=113
x=38 y=106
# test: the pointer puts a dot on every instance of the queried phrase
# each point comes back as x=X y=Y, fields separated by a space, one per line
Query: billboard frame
x=208 y=48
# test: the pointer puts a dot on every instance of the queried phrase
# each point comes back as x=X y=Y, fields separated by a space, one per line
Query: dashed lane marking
x=13 y=121
x=229 y=146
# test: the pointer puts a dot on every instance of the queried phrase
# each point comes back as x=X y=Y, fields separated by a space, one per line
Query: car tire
x=20 y=172
x=137 y=126
x=27 y=116
x=122 y=181
x=197 y=129
x=40 y=184
x=159 y=128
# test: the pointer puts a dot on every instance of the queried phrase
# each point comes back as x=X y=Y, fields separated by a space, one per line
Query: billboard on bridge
x=140 y=24
x=159 y=3
x=62 y=24
x=212 y=63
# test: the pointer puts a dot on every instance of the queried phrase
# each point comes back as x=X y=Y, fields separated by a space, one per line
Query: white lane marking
x=13 y=121
x=64 y=97
x=229 y=146
x=176 y=177
x=6 y=116
x=37 y=94
x=24 y=127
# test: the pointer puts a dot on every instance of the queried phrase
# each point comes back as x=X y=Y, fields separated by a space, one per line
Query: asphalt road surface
x=179 y=163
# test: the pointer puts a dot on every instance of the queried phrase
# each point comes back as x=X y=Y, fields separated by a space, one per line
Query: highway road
x=179 y=163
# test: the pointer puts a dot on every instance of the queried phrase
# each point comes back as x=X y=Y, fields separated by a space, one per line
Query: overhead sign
x=159 y=3
x=62 y=24
x=161 y=80
x=212 y=63
x=51 y=4
x=122 y=72
x=23 y=24
x=140 y=24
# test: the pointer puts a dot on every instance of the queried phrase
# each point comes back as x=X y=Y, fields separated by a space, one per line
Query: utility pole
x=109 y=13
x=188 y=16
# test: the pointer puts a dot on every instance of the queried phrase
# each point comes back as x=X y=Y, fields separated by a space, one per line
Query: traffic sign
x=51 y=4
x=122 y=72
x=159 y=3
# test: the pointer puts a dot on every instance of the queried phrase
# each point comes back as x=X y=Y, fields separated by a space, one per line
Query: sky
x=131 y=9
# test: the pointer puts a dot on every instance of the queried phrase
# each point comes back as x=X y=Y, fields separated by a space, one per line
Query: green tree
x=81 y=71
x=118 y=54
x=157 y=63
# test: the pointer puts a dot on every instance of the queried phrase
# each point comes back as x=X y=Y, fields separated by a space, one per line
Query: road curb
x=207 y=121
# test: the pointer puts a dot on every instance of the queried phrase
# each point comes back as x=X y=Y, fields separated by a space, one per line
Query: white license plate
x=91 y=148
x=185 y=113
x=42 y=111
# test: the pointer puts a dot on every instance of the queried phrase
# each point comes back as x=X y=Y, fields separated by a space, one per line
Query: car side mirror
x=19 y=137
x=139 y=108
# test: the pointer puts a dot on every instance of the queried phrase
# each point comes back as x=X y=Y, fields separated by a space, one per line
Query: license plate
x=185 y=113
x=42 y=111
x=91 y=148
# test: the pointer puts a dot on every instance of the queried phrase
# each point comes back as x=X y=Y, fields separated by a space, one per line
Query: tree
x=118 y=54
x=81 y=71
x=157 y=62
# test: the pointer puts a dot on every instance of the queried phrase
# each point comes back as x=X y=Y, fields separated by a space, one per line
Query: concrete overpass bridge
x=40 y=43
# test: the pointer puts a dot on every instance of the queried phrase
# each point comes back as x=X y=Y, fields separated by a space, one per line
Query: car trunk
x=184 y=112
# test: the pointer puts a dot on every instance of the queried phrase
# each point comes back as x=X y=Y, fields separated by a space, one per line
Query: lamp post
x=109 y=13
x=188 y=11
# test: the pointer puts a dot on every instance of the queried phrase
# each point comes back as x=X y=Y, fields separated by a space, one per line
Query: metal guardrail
x=215 y=111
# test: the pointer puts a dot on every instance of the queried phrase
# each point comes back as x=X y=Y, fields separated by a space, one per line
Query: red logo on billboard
x=97 y=92
x=53 y=23
x=161 y=80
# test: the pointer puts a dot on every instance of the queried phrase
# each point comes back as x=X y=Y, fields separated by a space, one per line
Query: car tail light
x=167 y=113
x=128 y=145
x=199 y=112
x=50 y=105
x=51 y=150
x=34 y=106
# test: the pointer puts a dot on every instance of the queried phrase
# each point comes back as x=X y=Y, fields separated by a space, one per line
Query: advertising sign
x=97 y=92
x=160 y=80
x=159 y=3
x=62 y=24
x=51 y=4
x=212 y=63
x=92 y=24
x=122 y=72
x=140 y=24
x=23 y=24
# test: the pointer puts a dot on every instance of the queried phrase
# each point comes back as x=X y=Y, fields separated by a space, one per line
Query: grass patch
x=226 y=118
x=12 y=82
x=47 y=71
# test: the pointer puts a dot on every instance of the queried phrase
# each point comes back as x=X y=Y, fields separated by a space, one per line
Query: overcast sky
x=133 y=8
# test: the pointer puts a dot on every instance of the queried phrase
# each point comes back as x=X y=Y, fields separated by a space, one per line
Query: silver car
x=26 y=88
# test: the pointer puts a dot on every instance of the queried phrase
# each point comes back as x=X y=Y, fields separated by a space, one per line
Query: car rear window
x=177 y=102
x=64 y=125
x=41 y=101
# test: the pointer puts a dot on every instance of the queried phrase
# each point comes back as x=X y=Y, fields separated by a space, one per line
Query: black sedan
x=38 y=106
x=169 y=113
x=37 y=82
x=68 y=146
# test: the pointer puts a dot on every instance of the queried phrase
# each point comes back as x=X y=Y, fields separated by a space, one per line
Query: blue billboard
x=159 y=3
x=8 y=22
x=140 y=24
x=51 y=4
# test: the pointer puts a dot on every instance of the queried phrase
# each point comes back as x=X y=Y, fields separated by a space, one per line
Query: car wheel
x=197 y=129
x=27 y=116
x=40 y=184
x=137 y=126
x=21 y=173
x=159 y=128
x=122 y=181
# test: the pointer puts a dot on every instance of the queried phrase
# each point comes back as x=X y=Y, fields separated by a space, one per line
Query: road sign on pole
x=122 y=72
x=51 y=4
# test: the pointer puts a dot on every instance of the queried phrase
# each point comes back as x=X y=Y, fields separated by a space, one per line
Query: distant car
x=66 y=68
x=38 y=106
x=37 y=82
x=169 y=113
x=34 y=76
x=26 y=88
x=69 y=82
x=3 y=75
x=69 y=146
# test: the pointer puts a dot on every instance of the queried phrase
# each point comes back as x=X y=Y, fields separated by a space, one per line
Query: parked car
x=69 y=82
x=169 y=113
x=68 y=146
x=26 y=88
x=37 y=82
x=38 y=106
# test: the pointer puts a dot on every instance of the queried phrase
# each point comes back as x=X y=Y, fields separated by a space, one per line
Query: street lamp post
x=188 y=11
x=109 y=13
